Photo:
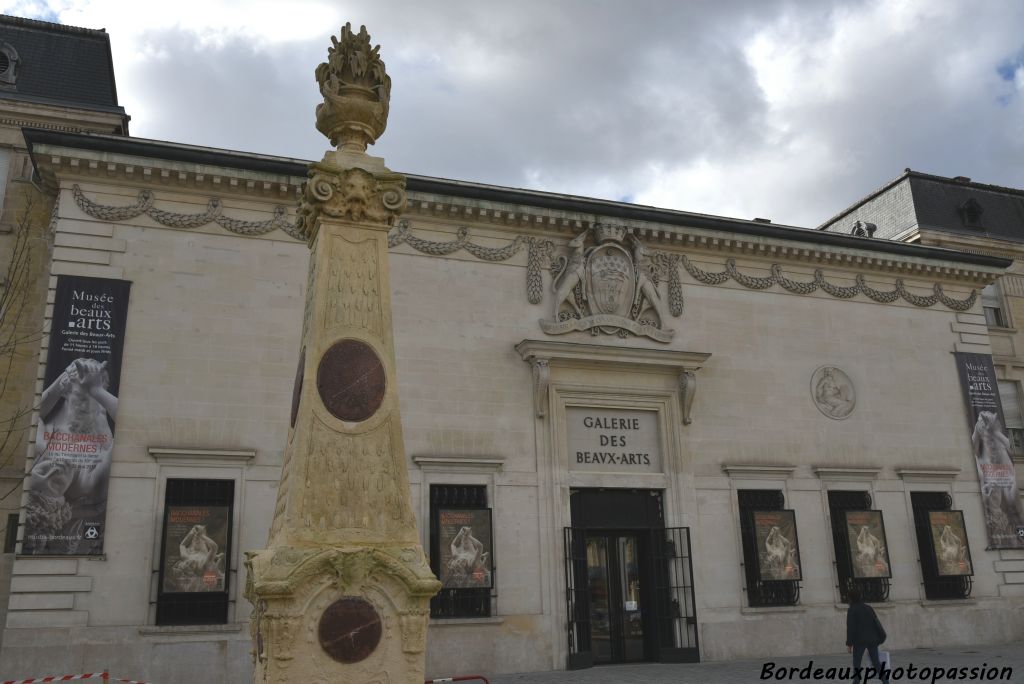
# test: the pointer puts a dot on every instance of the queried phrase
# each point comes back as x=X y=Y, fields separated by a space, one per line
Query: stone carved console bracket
x=541 y=380
x=544 y=355
x=687 y=391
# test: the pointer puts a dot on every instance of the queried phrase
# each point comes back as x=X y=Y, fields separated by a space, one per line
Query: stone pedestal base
x=357 y=614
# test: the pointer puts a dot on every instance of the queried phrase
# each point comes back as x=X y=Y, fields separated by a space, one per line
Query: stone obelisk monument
x=342 y=592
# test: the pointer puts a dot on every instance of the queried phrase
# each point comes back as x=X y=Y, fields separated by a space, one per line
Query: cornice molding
x=542 y=355
x=980 y=244
x=56 y=164
x=541 y=254
x=538 y=220
x=758 y=472
x=572 y=354
x=192 y=455
x=461 y=464
x=847 y=472
x=928 y=474
x=58 y=161
x=540 y=223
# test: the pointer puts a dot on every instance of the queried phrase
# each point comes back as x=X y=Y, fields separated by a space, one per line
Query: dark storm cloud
x=789 y=110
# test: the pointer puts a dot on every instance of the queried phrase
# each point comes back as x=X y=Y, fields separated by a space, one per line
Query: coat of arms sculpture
x=610 y=287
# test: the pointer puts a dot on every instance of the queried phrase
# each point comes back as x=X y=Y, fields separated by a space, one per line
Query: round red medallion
x=350 y=629
x=351 y=381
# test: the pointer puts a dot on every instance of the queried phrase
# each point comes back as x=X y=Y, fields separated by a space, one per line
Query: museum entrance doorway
x=629 y=581
x=616 y=597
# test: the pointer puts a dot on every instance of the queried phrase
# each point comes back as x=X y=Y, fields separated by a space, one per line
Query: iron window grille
x=455 y=602
x=202 y=607
x=872 y=589
x=762 y=593
x=935 y=586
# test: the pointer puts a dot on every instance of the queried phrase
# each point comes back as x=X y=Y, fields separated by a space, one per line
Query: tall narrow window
x=195 y=557
x=762 y=591
x=992 y=304
x=940 y=582
x=861 y=548
x=1009 y=395
x=461 y=550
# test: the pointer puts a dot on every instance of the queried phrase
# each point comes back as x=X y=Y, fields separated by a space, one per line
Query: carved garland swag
x=540 y=254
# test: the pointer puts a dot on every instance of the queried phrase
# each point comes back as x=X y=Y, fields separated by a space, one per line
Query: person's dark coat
x=862 y=626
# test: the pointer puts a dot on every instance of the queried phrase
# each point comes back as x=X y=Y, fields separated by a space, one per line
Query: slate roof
x=61 y=64
x=935 y=203
x=938 y=200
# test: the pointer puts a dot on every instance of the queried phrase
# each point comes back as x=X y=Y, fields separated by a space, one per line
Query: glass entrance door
x=615 y=597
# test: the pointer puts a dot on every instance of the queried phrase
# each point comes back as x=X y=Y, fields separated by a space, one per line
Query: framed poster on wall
x=465 y=547
x=195 y=543
x=778 y=551
x=949 y=543
x=869 y=549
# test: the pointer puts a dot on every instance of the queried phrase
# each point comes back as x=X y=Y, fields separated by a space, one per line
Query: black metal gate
x=577 y=603
x=672 y=625
x=674 y=606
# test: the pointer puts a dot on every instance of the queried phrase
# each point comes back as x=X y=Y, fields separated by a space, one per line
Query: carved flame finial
x=356 y=90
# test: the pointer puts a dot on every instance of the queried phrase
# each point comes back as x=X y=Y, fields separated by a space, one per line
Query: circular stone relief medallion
x=832 y=392
x=297 y=387
x=351 y=380
x=350 y=629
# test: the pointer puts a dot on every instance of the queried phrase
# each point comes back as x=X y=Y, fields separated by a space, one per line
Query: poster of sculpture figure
x=465 y=548
x=778 y=553
x=66 y=487
x=869 y=551
x=195 y=547
x=1001 y=501
x=949 y=540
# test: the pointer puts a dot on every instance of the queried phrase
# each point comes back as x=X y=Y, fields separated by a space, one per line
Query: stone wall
x=211 y=347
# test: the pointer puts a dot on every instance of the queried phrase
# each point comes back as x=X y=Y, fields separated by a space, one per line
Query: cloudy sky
x=785 y=110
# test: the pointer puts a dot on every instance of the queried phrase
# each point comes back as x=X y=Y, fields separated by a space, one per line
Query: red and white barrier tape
x=105 y=676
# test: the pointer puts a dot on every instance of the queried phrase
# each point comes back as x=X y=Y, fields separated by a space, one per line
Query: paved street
x=1000 y=657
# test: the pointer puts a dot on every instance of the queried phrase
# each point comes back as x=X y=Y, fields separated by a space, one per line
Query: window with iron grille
x=195 y=556
x=455 y=602
x=762 y=593
x=935 y=586
x=872 y=589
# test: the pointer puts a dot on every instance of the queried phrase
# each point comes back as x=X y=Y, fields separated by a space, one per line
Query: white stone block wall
x=211 y=347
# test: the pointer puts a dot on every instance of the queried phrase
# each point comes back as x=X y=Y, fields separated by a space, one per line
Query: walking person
x=863 y=633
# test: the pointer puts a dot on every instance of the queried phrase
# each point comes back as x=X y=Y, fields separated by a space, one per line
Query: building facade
x=58 y=78
x=633 y=434
x=979 y=218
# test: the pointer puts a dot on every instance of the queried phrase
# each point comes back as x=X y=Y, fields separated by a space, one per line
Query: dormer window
x=8 y=66
x=970 y=213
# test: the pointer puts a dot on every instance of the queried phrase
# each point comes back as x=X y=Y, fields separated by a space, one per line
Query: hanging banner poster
x=869 y=552
x=949 y=542
x=66 y=488
x=465 y=548
x=1004 y=515
x=195 y=543
x=778 y=553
